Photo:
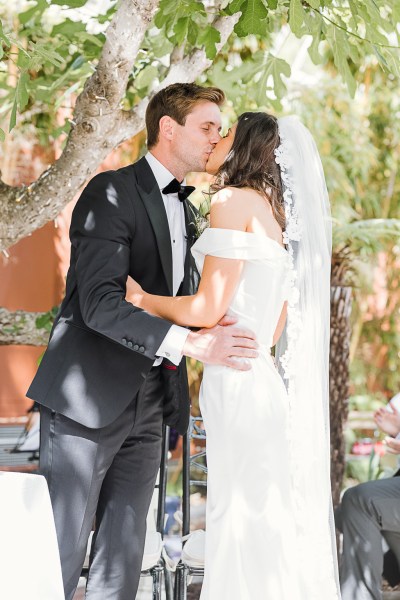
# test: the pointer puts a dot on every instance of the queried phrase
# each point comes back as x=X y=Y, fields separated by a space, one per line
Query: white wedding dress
x=251 y=544
x=250 y=539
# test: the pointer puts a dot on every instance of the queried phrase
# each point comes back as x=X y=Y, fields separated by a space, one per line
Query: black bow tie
x=174 y=187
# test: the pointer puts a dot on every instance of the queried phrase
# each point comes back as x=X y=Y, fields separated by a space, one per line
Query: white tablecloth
x=29 y=558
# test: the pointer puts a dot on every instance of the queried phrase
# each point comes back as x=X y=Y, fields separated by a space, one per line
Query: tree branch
x=19 y=328
x=99 y=125
x=97 y=117
x=185 y=71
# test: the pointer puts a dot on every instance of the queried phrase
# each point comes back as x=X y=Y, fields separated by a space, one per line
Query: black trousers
x=104 y=475
x=369 y=512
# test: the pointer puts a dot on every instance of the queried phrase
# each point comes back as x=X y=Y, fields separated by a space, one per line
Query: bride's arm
x=205 y=308
x=218 y=281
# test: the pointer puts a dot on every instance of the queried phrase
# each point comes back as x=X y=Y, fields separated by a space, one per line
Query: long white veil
x=302 y=354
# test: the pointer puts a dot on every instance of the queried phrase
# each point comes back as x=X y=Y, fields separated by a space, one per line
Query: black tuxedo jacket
x=101 y=347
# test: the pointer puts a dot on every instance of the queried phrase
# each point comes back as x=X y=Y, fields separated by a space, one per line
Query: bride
x=266 y=260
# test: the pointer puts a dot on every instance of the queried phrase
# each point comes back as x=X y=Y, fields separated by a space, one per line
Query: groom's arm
x=102 y=228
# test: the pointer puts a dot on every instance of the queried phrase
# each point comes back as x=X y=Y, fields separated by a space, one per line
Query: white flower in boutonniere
x=199 y=221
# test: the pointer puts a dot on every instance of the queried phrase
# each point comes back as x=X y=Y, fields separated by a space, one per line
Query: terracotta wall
x=30 y=280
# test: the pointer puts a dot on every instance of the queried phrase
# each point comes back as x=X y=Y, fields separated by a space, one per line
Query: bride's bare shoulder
x=236 y=196
x=243 y=201
x=228 y=209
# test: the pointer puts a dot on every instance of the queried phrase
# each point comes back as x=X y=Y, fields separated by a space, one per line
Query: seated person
x=368 y=512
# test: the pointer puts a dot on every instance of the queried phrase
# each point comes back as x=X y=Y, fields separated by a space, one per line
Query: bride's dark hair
x=251 y=161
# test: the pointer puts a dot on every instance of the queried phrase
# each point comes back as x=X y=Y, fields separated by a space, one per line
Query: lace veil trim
x=291 y=234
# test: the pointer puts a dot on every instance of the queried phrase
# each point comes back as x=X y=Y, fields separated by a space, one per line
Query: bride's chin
x=210 y=168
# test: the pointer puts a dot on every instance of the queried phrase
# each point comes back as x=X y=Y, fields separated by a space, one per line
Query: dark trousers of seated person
x=368 y=512
x=105 y=474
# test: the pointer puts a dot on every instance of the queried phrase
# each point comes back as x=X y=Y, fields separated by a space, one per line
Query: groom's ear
x=167 y=127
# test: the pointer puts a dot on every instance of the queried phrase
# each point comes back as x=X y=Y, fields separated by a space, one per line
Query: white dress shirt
x=172 y=345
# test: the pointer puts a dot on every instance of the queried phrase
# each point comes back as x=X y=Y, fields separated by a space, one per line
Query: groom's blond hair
x=177 y=101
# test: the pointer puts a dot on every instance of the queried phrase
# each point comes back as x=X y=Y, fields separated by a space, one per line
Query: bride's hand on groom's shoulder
x=134 y=292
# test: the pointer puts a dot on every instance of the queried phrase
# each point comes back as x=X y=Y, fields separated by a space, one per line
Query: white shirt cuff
x=173 y=343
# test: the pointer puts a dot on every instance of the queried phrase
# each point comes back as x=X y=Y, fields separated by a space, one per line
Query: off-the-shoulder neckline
x=260 y=235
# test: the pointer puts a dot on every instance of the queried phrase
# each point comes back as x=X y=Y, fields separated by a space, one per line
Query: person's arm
x=205 y=308
x=218 y=281
x=101 y=234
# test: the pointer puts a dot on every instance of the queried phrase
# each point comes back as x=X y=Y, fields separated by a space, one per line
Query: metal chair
x=192 y=560
x=155 y=562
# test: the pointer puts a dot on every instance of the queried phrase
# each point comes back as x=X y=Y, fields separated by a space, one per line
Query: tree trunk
x=19 y=327
x=341 y=301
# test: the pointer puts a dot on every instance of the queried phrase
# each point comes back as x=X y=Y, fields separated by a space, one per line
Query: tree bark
x=19 y=328
x=341 y=300
x=98 y=125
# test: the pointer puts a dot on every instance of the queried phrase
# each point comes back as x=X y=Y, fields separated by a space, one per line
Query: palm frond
x=367 y=236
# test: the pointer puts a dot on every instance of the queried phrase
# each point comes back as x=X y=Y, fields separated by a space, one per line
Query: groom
x=111 y=372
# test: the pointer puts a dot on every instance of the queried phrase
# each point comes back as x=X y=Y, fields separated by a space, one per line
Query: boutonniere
x=198 y=222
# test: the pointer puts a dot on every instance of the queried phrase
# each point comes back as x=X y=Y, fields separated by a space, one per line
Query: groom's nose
x=215 y=137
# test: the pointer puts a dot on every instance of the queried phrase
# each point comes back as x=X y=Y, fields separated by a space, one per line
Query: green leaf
x=193 y=32
x=3 y=36
x=48 y=54
x=68 y=28
x=181 y=30
x=275 y=68
x=339 y=45
x=22 y=91
x=146 y=77
x=234 y=6
x=25 y=62
x=296 y=17
x=313 y=49
x=2 y=135
x=92 y=39
x=314 y=3
x=354 y=13
x=254 y=19
x=315 y=26
x=13 y=116
x=35 y=11
x=272 y=4
x=208 y=38
x=160 y=45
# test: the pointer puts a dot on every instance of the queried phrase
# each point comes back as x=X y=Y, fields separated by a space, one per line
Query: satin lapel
x=191 y=277
x=189 y=233
x=190 y=225
x=154 y=205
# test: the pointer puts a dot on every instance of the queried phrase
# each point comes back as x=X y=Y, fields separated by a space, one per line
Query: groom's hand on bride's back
x=224 y=344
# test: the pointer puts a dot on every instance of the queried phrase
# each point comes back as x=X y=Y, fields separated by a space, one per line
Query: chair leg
x=184 y=583
x=178 y=581
x=168 y=584
x=181 y=579
x=156 y=574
